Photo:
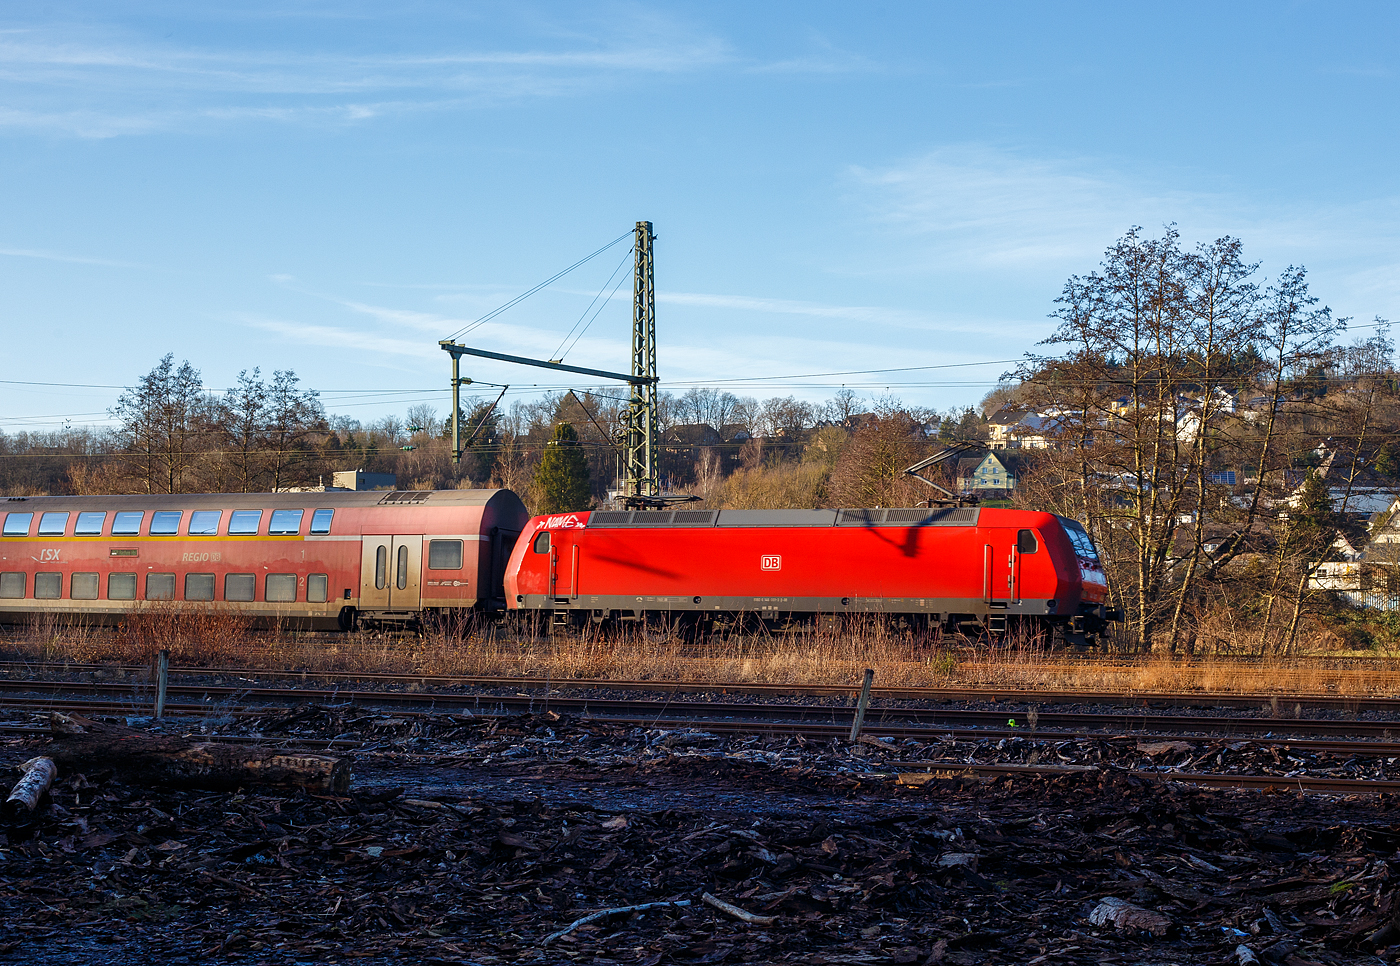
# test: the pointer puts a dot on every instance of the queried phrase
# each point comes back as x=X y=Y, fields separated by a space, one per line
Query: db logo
x=770 y=561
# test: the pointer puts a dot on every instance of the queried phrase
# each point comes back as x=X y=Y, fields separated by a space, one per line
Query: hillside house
x=1362 y=495
x=1019 y=429
x=988 y=475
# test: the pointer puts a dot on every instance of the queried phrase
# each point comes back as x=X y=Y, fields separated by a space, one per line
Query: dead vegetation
x=216 y=638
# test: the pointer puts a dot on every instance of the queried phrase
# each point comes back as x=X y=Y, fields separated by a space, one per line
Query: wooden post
x=162 y=674
x=862 y=704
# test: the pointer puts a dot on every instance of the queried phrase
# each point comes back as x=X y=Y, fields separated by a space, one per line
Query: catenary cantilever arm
x=461 y=350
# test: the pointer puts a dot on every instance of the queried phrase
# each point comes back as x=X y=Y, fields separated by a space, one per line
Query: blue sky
x=333 y=187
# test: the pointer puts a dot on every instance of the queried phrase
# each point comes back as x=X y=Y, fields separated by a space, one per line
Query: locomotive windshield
x=1083 y=546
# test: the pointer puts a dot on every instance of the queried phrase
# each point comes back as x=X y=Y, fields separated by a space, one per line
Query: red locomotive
x=319 y=560
x=966 y=567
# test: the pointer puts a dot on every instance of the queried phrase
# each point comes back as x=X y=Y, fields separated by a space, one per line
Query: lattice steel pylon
x=639 y=454
x=639 y=434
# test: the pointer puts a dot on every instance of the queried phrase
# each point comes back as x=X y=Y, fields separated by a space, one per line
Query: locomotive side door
x=563 y=569
x=391 y=572
x=999 y=567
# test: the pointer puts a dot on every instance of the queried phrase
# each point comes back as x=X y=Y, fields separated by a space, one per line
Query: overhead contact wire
x=524 y=295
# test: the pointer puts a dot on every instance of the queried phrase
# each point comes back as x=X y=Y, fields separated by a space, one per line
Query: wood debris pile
x=477 y=840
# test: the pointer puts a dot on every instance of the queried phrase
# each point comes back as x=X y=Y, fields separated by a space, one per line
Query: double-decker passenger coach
x=318 y=560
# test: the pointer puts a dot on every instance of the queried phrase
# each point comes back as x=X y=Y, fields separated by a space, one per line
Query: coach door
x=502 y=544
x=390 y=573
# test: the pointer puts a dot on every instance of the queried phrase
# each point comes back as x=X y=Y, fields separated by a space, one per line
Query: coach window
x=285 y=522
x=1025 y=541
x=281 y=588
x=199 y=586
x=401 y=581
x=239 y=587
x=321 y=521
x=127 y=524
x=160 y=586
x=165 y=523
x=244 y=522
x=444 y=555
x=12 y=584
x=83 y=587
x=53 y=524
x=542 y=542
x=316 y=588
x=381 y=564
x=90 y=524
x=204 y=523
x=17 y=524
x=121 y=586
x=48 y=586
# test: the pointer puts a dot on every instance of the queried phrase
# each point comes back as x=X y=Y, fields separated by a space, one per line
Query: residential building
x=990 y=474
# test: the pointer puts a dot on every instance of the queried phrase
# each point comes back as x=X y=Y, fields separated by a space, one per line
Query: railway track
x=907 y=721
x=908 y=771
x=915 y=772
x=1364 y=747
x=14 y=674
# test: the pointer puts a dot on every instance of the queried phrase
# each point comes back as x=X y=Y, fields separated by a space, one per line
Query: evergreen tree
x=1313 y=524
x=561 y=482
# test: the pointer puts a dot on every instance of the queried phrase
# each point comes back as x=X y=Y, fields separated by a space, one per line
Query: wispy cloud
x=751 y=304
x=106 y=81
x=865 y=314
x=822 y=57
x=60 y=257
x=979 y=210
x=997 y=209
x=340 y=337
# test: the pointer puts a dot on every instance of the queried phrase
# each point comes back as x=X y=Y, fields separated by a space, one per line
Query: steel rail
x=927 y=733
x=1337 y=786
x=709 y=711
x=935 y=770
x=1030 y=696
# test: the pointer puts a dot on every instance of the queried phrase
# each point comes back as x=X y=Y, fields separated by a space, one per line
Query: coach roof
x=271 y=501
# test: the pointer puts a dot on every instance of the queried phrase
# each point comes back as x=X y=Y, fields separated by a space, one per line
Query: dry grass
x=216 y=638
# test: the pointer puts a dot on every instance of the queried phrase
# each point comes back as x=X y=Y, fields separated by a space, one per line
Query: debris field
x=487 y=840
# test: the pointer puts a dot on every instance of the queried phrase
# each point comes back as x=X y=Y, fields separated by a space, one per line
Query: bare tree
x=708 y=407
x=870 y=469
x=295 y=421
x=843 y=404
x=423 y=416
x=746 y=415
x=161 y=422
x=786 y=417
x=245 y=407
